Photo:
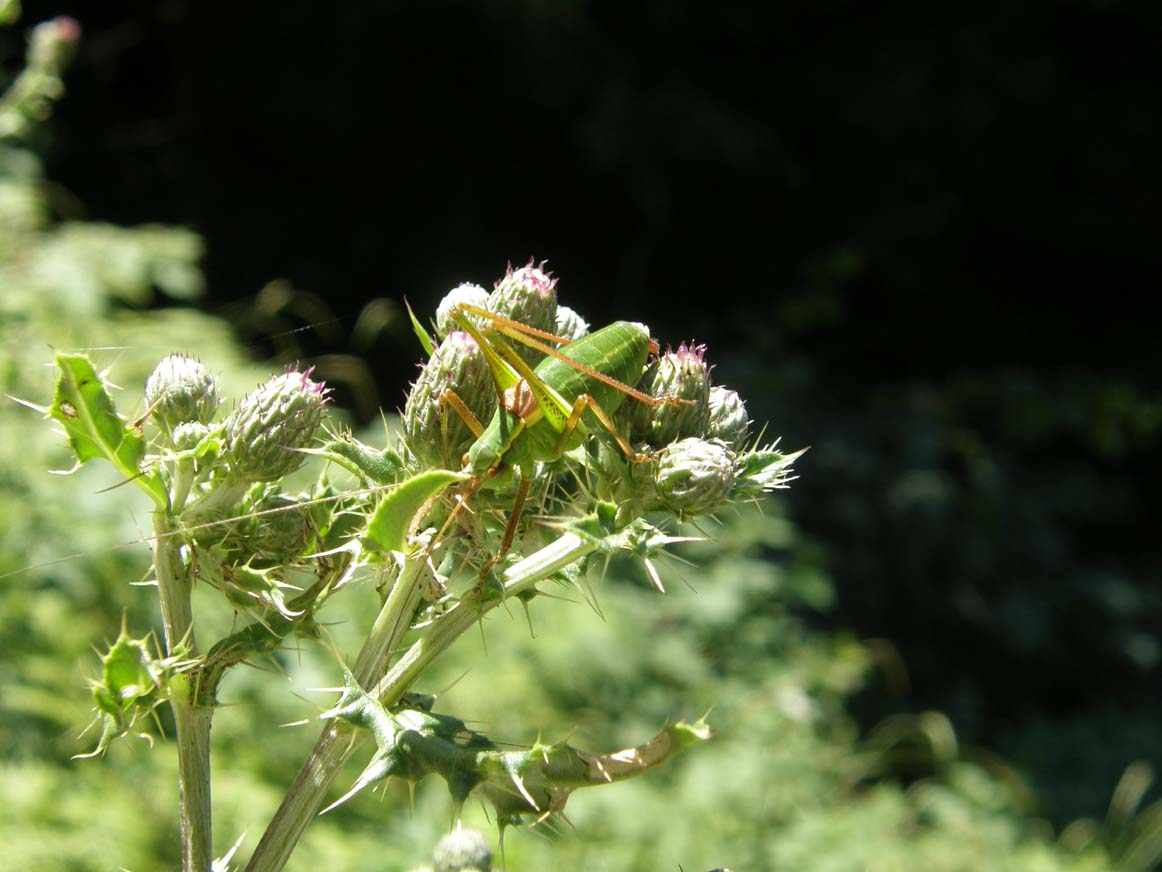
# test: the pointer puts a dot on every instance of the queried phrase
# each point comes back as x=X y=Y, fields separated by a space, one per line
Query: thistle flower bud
x=570 y=325
x=433 y=430
x=189 y=435
x=278 y=535
x=473 y=295
x=180 y=390
x=695 y=476
x=271 y=424
x=676 y=375
x=462 y=850
x=527 y=295
x=728 y=418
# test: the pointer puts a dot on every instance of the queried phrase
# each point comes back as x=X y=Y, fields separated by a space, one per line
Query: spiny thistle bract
x=681 y=379
x=694 y=476
x=266 y=434
x=570 y=325
x=466 y=293
x=728 y=419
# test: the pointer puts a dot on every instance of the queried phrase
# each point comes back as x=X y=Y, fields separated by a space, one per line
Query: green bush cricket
x=541 y=410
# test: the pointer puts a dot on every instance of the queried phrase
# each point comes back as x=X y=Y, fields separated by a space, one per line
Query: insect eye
x=464 y=460
x=492 y=472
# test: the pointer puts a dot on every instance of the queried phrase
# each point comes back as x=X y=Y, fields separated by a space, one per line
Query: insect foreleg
x=451 y=398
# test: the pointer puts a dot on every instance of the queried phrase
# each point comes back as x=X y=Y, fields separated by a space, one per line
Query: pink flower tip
x=688 y=353
x=68 y=29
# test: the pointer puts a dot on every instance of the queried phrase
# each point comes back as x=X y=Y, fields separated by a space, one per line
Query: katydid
x=540 y=415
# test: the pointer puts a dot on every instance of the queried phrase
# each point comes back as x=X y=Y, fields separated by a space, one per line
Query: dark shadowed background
x=923 y=240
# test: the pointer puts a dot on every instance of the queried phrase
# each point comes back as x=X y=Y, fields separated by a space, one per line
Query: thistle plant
x=29 y=99
x=443 y=523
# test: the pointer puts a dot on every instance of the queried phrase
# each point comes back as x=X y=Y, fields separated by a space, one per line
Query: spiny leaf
x=763 y=469
x=83 y=406
x=532 y=782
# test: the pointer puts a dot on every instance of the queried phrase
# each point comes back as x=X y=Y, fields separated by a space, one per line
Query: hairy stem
x=191 y=717
x=193 y=739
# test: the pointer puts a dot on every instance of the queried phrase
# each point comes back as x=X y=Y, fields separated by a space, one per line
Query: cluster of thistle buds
x=263 y=439
x=682 y=441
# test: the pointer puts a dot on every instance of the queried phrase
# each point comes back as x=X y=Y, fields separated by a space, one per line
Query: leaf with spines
x=83 y=406
x=370 y=464
x=533 y=783
x=133 y=683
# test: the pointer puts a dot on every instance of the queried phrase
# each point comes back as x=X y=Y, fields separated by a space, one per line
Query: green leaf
x=82 y=405
x=530 y=783
x=127 y=669
x=388 y=527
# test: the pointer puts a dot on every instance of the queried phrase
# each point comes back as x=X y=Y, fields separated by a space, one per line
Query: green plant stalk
x=393 y=619
x=520 y=577
x=192 y=716
x=339 y=739
x=193 y=739
x=305 y=796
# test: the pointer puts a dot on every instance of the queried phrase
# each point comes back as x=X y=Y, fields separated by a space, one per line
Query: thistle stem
x=456 y=621
x=393 y=619
x=173 y=586
x=305 y=796
x=193 y=740
x=192 y=716
x=338 y=738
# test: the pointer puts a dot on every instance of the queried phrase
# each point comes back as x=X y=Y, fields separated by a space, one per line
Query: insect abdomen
x=618 y=351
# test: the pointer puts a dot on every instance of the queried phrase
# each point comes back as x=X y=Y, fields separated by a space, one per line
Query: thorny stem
x=192 y=716
x=339 y=738
x=457 y=620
